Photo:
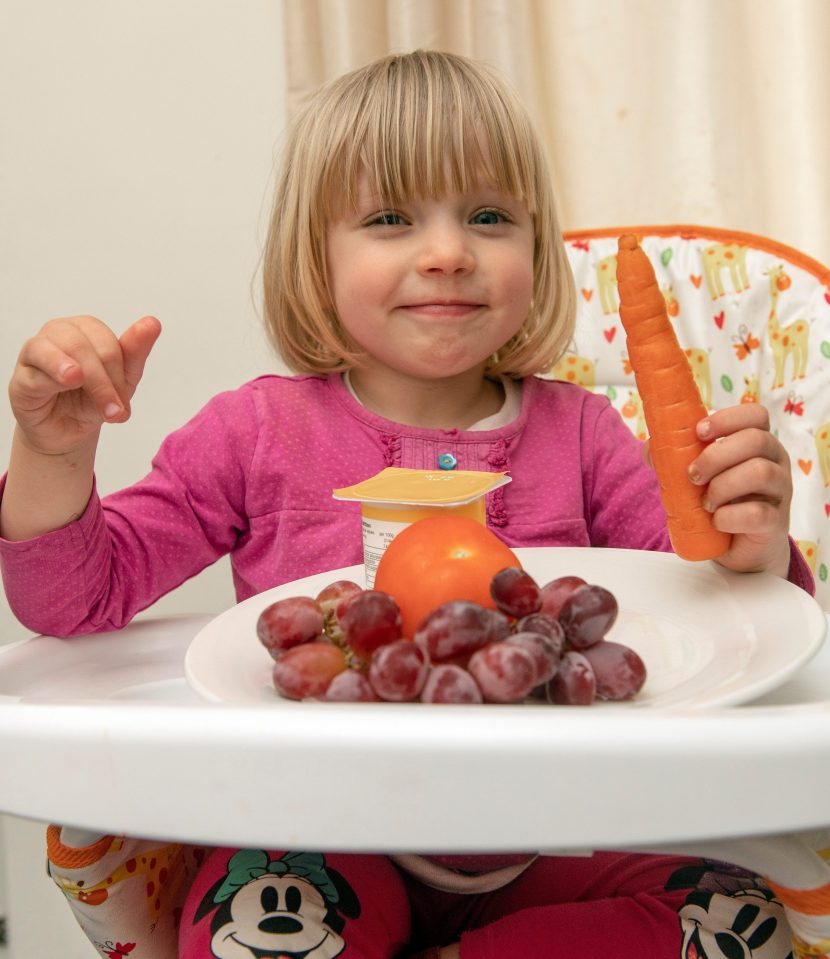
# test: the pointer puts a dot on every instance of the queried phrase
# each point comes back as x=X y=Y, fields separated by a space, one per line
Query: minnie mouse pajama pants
x=138 y=899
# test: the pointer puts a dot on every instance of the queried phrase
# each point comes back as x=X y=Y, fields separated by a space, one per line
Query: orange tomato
x=437 y=559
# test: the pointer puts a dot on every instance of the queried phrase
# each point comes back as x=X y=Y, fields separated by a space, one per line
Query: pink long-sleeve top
x=252 y=475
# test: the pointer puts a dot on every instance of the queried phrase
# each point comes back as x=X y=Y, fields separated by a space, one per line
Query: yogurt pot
x=395 y=498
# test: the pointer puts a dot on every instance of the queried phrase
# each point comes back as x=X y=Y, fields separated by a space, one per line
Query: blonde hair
x=421 y=124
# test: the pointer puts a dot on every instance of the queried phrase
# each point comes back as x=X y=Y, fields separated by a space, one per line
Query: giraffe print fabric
x=754 y=319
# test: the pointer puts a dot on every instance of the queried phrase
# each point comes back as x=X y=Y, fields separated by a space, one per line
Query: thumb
x=136 y=343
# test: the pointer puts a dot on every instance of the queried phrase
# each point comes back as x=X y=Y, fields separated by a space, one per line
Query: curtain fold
x=652 y=111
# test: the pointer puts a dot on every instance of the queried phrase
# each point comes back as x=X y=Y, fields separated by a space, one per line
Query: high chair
x=753 y=317
x=104 y=733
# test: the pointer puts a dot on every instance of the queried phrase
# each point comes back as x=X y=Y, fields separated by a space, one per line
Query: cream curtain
x=714 y=112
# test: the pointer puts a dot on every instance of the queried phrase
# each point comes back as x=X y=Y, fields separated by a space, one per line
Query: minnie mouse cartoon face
x=287 y=908
x=735 y=926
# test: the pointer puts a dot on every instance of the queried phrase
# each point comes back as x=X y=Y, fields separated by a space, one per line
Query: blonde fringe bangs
x=421 y=129
x=422 y=124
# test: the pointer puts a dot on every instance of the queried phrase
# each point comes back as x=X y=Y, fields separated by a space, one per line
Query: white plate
x=708 y=637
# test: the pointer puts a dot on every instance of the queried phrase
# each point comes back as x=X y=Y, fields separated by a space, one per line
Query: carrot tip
x=628 y=242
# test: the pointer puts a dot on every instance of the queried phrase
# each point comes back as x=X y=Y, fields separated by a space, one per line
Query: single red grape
x=332 y=599
x=448 y=683
x=455 y=630
x=515 y=592
x=350 y=686
x=574 y=683
x=398 y=671
x=370 y=619
x=587 y=615
x=557 y=591
x=546 y=653
x=305 y=672
x=542 y=623
x=503 y=672
x=619 y=671
x=289 y=622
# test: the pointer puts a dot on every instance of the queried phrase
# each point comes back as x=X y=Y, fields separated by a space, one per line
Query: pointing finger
x=136 y=342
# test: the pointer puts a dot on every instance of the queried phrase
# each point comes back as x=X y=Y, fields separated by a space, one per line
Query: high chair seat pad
x=754 y=318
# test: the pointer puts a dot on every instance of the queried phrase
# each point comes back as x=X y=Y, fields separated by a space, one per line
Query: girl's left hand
x=750 y=487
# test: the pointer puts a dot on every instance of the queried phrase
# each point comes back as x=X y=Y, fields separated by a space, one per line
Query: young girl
x=416 y=280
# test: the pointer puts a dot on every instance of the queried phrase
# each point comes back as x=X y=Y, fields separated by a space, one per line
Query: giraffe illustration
x=752 y=393
x=607 y=284
x=823 y=450
x=725 y=256
x=576 y=369
x=633 y=409
x=785 y=341
x=699 y=363
x=159 y=871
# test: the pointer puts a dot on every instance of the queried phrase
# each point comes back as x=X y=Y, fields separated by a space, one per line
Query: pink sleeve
x=622 y=501
x=799 y=572
x=134 y=546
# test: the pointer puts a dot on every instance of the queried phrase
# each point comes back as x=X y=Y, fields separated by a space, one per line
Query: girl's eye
x=489 y=217
x=385 y=218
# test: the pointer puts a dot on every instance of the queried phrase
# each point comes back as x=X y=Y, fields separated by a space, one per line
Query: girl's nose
x=446 y=250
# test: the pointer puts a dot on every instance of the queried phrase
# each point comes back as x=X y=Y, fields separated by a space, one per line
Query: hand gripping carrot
x=671 y=404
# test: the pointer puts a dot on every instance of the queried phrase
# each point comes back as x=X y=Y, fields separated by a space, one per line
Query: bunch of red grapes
x=540 y=643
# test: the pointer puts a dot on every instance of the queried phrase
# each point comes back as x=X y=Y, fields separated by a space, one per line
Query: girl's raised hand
x=750 y=487
x=74 y=375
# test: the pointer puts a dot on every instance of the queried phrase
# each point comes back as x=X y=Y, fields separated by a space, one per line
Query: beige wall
x=137 y=141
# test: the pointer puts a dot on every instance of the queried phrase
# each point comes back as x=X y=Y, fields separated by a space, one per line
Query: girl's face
x=432 y=288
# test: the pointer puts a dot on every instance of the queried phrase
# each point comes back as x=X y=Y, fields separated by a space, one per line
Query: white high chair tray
x=171 y=729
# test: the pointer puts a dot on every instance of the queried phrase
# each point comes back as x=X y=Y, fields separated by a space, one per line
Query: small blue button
x=446 y=461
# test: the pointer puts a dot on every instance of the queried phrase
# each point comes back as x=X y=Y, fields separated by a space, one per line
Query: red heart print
x=719 y=320
x=827 y=509
x=827 y=297
x=610 y=334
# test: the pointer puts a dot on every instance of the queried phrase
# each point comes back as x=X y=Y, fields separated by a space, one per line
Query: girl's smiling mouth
x=443 y=308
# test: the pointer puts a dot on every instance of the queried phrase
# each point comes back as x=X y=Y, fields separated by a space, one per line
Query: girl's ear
x=207 y=904
x=348 y=903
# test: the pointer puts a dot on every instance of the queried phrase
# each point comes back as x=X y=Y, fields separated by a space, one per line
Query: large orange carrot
x=671 y=404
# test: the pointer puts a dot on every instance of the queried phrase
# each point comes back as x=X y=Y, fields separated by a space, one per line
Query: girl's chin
x=435 y=364
x=438 y=372
x=416 y=367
